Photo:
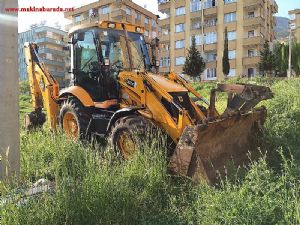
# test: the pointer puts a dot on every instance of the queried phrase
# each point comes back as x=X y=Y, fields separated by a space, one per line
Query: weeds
x=94 y=188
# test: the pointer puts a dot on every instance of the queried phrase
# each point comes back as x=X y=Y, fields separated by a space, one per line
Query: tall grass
x=92 y=187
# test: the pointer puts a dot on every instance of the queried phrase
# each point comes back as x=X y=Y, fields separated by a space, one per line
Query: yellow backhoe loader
x=115 y=88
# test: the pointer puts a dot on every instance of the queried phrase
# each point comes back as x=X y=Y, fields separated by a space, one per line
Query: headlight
x=138 y=29
x=111 y=25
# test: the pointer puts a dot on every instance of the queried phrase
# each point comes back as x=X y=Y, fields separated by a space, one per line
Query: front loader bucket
x=203 y=151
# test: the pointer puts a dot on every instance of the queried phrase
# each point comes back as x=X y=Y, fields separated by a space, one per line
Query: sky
x=26 y=19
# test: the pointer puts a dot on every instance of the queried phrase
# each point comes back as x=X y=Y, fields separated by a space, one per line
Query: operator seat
x=108 y=104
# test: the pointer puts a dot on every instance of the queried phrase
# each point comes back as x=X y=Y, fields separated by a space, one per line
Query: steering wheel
x=117 y=65
x=94 y=70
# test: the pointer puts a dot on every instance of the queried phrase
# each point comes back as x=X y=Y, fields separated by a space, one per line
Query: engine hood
x=166 y=84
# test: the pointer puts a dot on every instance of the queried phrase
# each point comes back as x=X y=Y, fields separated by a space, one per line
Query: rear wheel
x=74 y=119
x=127 y=132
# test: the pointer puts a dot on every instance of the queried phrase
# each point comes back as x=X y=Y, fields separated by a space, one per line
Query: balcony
x=164 y=22
x=211 y=64
x=164 y=37
x=210 y=11
x=118 y=14
x=48 y=50
x=57 y=74
x=252 y=4
x=247 y=61
x=164 y=4
x=253 y=41
x=52 y=62
x=210 y=47
x=230 y=7
x=274 y=7
x=49 y=40
x=254 y=21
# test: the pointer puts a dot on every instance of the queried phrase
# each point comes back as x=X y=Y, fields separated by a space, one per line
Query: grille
x=182 y=99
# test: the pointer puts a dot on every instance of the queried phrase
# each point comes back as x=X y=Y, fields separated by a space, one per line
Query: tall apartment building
x=295 y=24
x=120 y=10
x=50 y=41
x=249 y=24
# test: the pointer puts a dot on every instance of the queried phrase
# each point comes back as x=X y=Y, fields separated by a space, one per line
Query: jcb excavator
x=115 y=88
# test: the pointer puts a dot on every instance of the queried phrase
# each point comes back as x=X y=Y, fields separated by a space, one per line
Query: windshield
x=101 y=44
x=140 y=56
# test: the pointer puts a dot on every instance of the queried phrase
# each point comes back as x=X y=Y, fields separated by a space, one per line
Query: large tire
x=74 y=119
x=126 y=132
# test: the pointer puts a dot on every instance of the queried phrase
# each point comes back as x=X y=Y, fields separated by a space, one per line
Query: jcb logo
x=180 y=98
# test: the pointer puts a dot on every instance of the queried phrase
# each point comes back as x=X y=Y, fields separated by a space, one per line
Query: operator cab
x=99 y=54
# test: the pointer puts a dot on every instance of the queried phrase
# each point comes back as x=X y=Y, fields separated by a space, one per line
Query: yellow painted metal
x=105 y=24
x=158 y=88
x=82 y=95
x=44 y=88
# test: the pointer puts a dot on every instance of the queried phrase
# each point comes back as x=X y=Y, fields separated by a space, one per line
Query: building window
x=229 y=17
x=251 y=33
x=210 y=38
x=231 y=35
x=251 y=53
x=179 y=27
x=179 y=44
x=146 y=20
x=229 y=1
x=165 y=62
x=210 y=4
x=154 y=35
x=128 y=11
x=153 y=23
x=165 y=31
x=196 y=25
x=211 y=56
x=251 y=72
x=138 y=16
x=146 y=33
x=180 y=11
x=231 y=72
x=251 y=14
x=104 y=10
x=198 y=39
x=77 y=18
x=231 y=54
x=195 y=5
x=179 y=61
x=211 y=73
x=165 y=46
x=211 y=22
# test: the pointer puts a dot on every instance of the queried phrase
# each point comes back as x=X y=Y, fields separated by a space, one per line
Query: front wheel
x=125 y=136
x=74 y=119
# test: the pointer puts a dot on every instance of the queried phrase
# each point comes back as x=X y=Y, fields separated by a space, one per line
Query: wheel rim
x=126 y=145
x=70 y=125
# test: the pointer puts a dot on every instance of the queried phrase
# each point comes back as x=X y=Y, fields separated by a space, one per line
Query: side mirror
x=154 y=52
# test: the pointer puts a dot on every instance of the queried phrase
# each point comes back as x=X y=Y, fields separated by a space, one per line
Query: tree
x=296 y=58
x=225 y=60
x=267 y=60
x=194 y=64
x=281 y=55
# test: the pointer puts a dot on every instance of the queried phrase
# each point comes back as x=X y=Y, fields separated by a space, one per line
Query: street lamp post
x=289 y=73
